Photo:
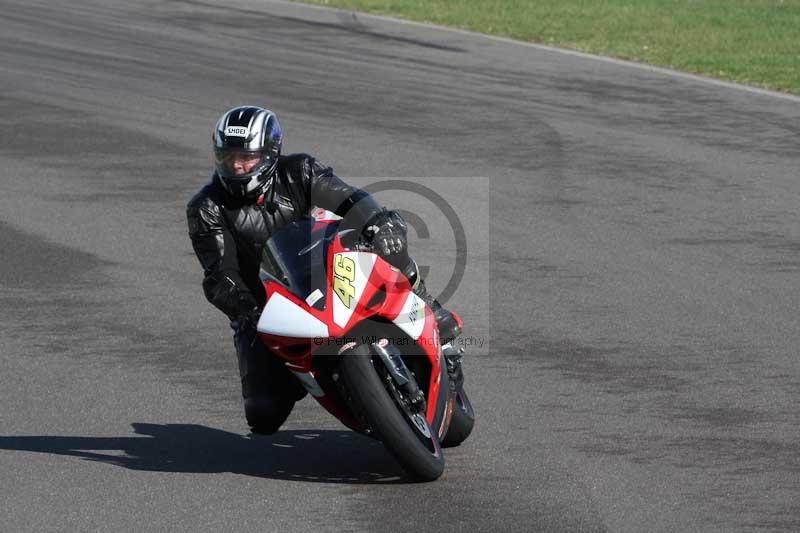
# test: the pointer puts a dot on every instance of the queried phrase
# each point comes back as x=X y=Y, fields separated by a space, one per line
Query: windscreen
x=295 y=256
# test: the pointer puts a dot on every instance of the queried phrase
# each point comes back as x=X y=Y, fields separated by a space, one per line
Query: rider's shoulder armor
x=203 y=210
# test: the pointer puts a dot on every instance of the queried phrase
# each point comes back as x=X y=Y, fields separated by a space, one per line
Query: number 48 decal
x=344 y=273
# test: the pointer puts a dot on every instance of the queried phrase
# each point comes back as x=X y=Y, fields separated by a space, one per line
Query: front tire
x=419 y=454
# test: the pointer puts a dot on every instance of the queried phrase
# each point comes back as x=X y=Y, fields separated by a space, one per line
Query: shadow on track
x=315 y=456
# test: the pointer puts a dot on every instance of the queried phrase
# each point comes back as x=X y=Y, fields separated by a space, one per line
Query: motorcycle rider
x=254 y=191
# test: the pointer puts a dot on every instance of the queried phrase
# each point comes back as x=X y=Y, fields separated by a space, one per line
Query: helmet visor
x=238 y=163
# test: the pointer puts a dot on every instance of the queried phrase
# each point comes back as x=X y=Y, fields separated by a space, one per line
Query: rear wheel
x=461 y=423
x=385 y=410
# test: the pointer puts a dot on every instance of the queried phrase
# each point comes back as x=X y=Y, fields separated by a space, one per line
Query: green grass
x=756 y=42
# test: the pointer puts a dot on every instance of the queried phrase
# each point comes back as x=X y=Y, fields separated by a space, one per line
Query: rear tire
x=420 y=456
x=461 y=423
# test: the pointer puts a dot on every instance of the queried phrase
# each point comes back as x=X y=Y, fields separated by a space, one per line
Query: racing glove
x=247 y=319
x=250 y=319
x=387 y=232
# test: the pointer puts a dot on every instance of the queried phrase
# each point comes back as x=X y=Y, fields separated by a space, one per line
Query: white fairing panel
x=364 y=263
x=412 y=317
x=283 y=317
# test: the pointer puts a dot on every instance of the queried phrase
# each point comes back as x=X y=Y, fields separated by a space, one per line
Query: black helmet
x=247 y=143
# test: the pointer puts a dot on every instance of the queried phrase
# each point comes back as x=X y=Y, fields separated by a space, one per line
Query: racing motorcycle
x=347 y=324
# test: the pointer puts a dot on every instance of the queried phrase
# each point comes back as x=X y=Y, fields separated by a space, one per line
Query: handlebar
x=359 y=245
x=362 y=246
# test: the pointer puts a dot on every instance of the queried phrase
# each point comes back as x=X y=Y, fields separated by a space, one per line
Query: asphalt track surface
x=634 y=251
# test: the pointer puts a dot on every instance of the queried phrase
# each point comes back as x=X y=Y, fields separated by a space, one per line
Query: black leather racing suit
x=228 y=234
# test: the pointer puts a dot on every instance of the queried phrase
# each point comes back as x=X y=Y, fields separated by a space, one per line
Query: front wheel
x=407 y=435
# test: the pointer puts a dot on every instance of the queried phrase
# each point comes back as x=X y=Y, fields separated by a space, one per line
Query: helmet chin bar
x=242 y=188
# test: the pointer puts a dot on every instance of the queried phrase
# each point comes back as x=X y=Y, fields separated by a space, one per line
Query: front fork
x=402 y=377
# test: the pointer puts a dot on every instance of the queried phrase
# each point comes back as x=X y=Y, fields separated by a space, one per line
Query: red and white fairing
x=292 y=328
